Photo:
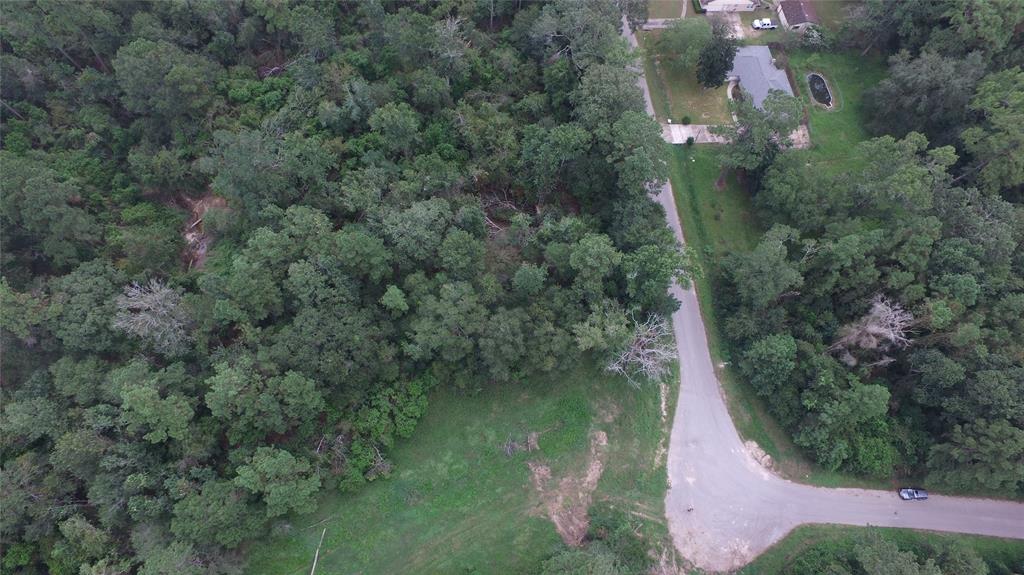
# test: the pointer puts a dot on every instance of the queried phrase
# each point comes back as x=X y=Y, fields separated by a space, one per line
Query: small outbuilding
x=754 y=69
x=797 y=14
x=729 y=5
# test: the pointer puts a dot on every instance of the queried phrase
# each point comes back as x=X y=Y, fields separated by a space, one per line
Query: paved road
x=739 y=508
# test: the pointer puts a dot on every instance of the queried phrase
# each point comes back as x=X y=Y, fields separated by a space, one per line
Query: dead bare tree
x=884 y=327
x=156 y=313
x=648 y=354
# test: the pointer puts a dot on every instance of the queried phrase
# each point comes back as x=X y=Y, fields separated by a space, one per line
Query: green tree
x=883 y=557
x=529 y=280
x=766 y=273
x=996 y=143
x=680 y=45
x=594 y=559
x=987 y=454
x=769 y=363
x=219 y=512
x=638 y=153
x=593 y=258
x=398 y=125
x=256 y=169
x=927 y=94
x=716 y=57
x=162 y=418
x=82 y=307
x=285 y=483
x=159 y=79
x=253 y=405
x=758 y=134
x=604 y=94
x=418 y=231
x=649 y=269
x=394 y=300
x=40 y=210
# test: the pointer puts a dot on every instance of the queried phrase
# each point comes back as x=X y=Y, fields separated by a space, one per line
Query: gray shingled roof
x=757 y=74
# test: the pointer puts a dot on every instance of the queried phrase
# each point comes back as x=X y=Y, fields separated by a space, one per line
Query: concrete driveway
x=724 y=508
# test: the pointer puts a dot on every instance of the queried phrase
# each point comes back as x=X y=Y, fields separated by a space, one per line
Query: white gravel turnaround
x=724 y=508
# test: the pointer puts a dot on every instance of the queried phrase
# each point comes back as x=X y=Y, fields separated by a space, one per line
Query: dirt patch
x=720 y=182
x=539 y=474
x=661 y=451
x=197 y=241
x=567 y=502
x=758 y=454
x=801 y=137
x=609 y=412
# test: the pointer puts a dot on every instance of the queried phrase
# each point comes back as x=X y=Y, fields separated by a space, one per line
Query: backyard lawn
x=831 y=13
x=761 y=37
x=836 y=132
x=657 y=9
x=1002 y=555
x=456 y=503
x=677 y=95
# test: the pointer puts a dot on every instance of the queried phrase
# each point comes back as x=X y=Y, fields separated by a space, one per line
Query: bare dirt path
x=724 y=508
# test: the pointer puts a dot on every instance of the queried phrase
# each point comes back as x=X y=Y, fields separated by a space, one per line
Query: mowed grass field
x=657 y=9
x=456 y=503
x=677 y=95
x=836 y=132
x=1001 y=555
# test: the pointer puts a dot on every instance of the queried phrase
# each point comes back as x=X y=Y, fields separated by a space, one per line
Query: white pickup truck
x=764 y=24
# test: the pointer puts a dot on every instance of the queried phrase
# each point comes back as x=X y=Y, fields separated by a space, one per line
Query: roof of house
x=798 y=12
x=755 y=69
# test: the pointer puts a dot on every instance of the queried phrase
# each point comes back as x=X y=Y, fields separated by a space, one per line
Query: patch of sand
x=197 y=241
x=567 y=502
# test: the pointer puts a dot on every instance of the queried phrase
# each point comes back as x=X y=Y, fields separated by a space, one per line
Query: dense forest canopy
x=242 y=241
x=882 y=314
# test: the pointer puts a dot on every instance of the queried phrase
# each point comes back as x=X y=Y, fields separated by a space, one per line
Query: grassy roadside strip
x=455 y=503
x=659 y=93
x=1007 y=552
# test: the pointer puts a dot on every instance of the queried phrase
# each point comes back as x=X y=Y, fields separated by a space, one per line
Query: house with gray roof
x=754 y=69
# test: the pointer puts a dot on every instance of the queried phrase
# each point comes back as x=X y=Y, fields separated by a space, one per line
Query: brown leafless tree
x=648 y=354
x=884 y=327
x=156 y=313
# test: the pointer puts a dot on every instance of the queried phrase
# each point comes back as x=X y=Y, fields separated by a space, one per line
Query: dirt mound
x=567 y=503
x=197 y=241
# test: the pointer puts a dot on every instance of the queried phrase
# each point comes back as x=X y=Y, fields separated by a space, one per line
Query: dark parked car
x=912 y=493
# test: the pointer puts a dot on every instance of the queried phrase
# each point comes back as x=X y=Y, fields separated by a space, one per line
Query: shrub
x=689 y=140
x=686 y=120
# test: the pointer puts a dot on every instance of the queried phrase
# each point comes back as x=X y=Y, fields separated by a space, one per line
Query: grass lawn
x=457 y=504
x=831 y=13
x=761 y=37
x=1007 y=553
x=677 y=95
x=835 y=132
x=657 y=9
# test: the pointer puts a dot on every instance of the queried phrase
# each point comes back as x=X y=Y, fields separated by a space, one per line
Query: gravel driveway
x=724 y=508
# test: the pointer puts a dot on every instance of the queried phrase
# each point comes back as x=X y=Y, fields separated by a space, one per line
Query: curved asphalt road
x=739 y=508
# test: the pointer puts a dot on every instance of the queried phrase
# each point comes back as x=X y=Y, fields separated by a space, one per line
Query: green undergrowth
x=1002 y=556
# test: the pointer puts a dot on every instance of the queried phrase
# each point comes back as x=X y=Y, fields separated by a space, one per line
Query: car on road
x=913 y=494
x=764 y=24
